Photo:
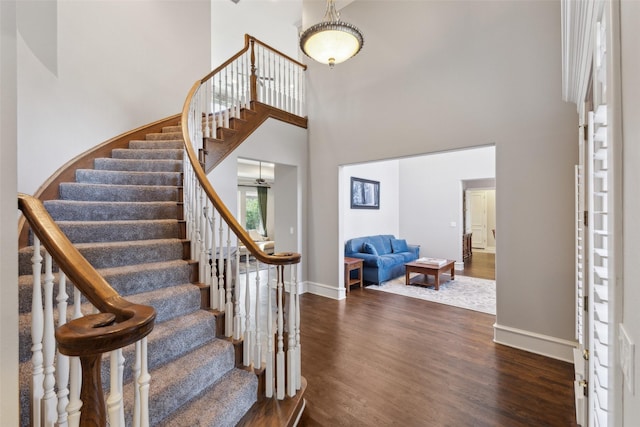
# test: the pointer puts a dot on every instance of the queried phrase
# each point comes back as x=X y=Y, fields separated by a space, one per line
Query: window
x=248 y=210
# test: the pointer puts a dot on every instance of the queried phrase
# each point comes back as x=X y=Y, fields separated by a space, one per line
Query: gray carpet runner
x=123 y=216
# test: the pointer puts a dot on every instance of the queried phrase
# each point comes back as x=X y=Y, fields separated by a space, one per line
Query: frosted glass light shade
x=331 y=42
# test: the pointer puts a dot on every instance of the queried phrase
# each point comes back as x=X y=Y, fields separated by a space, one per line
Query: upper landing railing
x=257 y=73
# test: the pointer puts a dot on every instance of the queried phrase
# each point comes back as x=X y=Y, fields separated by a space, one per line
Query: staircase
x=138 y=225
x=124 y=217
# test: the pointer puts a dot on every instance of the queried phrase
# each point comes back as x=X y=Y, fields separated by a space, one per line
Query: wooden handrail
x=275 y=259
x=285 y=258
x=247 y=42
x=81 y=336
x=119 y=324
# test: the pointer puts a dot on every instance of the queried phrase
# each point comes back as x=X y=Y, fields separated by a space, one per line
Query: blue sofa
x=383 y=256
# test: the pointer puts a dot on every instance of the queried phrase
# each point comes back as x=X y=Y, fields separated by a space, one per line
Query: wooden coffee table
x=426 y=269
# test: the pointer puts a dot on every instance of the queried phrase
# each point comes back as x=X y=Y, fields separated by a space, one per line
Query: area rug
x=464 y=292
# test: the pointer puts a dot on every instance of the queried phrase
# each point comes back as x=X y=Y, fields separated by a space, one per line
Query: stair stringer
x=217 y=149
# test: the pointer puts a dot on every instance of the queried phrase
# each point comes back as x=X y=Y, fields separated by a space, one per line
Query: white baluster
x=207 y=127
x=269 y=356
x=214 y=295
x=303 y=94
x=257 y=360
x=291 y=342
x=246 y=354
x=204 y=256
x=143 y=383
x=115 y=408
x=280 y=388
x=37 y=328
x=225 y=72
x=75 y=372
x=237 y=85
x=269 y=79
x=49 y=347
x=137 y=366
x=237 y=318
x=294 y=283
x=62 y=361
x=208 y=279
x=220 y=266
x=229 y=298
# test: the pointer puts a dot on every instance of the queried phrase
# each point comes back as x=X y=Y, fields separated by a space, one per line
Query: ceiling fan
x=261 y=182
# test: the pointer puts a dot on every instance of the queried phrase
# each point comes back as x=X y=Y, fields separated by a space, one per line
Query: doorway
x=479 y=213
x=479 y=222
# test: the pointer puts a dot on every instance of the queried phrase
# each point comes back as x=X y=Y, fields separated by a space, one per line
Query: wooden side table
x=351 y=264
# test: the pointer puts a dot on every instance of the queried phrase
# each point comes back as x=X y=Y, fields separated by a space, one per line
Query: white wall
x=366 y=222
x=440 y=75
x=8 y=217
x=630 y=34
x=431 y=198
x=272 y=22
x=119 y=65
x=286 y=145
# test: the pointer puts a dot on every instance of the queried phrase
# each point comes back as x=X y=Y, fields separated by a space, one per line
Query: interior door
x=477 y=205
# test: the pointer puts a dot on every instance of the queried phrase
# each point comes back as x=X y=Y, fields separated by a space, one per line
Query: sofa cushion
x=399 y=245
x=382 y=243
x=368 y=248
x=389 y=260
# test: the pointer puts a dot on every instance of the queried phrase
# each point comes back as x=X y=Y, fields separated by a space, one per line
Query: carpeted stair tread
x=212 y=409
x=114 y=254
x=171 y=303
x=168 y=341
x=161 y=136
x=117 y=193
x=127 y=177
x=161 y=144
x=169 y=129
x=105 y=231
x=177 y=382
x=131 y=279
x=107 y=163
x=147 y=153
x=127 y=280
x=85 y=210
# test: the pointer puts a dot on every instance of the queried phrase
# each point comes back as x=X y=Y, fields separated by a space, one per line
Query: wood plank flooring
x=481 y=265
x=379 y=359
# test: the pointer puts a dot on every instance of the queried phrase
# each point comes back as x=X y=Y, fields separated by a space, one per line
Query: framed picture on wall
x=365 y=193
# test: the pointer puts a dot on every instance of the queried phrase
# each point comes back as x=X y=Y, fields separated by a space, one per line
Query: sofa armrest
x=415 y=249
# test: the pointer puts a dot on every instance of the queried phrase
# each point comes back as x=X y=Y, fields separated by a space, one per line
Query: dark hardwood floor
x=481 y=265
x=379 y=359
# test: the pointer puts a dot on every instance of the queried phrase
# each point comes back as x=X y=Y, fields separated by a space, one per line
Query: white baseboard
x=544 y=345
x=458 y=266
x=324 y=290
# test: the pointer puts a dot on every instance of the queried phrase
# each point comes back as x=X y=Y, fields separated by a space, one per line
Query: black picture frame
x=365 y=193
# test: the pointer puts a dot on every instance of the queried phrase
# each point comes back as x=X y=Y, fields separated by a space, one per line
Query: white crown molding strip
x=544 y=345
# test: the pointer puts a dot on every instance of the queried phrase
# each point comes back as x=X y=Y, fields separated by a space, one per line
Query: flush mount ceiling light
x=331 y=41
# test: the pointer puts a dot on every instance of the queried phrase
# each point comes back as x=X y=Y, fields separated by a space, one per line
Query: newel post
x=254 y=77
x=93 y=408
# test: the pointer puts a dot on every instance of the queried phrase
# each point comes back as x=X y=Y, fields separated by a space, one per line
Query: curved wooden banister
x=276 y=259
x=304 y=66
x=219 y=112
x=84 y=336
